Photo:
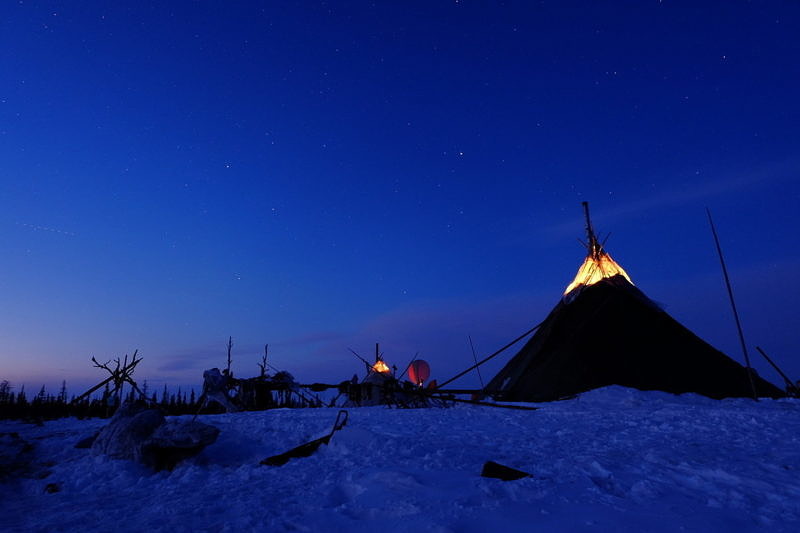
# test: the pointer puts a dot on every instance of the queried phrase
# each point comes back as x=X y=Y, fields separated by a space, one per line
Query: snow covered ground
x=612 y=460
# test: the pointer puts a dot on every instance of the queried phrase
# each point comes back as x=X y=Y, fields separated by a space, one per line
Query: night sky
x=319 y=176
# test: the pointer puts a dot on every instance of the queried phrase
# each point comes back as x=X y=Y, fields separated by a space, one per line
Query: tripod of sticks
x=120 y=373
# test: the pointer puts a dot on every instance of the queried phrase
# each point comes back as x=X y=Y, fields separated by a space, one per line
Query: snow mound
x=612 y=459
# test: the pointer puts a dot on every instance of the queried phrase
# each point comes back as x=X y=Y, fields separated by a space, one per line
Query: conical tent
x=605 y=331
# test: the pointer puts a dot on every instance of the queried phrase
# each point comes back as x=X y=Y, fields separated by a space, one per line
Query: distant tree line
x=45 y=405
x=252 y=394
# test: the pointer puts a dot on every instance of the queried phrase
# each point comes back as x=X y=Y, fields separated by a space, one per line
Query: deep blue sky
x=319 y=176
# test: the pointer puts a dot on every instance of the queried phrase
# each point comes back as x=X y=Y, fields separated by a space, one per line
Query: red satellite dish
x=419 y=371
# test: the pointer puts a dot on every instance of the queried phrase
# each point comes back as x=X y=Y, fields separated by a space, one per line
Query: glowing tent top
x=598 y=265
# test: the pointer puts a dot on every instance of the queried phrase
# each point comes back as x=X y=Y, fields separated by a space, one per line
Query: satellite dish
x=418 y=372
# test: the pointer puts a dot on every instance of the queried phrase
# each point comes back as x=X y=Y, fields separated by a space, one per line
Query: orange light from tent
x=381 y=367
x=596 y=268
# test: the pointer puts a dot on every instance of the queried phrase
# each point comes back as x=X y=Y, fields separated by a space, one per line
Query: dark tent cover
x=605 y=331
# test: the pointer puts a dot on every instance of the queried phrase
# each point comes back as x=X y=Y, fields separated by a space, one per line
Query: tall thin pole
x=733 y=306
x=475 y=357
x=786 y=379
x=230 y=345
x=408 y=366
x=594 y=246
x=498 y=352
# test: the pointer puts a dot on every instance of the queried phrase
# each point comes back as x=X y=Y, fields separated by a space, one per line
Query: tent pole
x=786 y=379
x=408 y=366
x=593 y=244
x=366 y=363
x=504 y=348
x=733 y=306
x=475 y=358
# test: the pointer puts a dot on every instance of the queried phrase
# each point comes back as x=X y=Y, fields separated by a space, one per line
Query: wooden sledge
x=304 y=450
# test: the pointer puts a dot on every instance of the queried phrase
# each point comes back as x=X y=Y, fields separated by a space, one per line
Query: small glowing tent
x=605 y=331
